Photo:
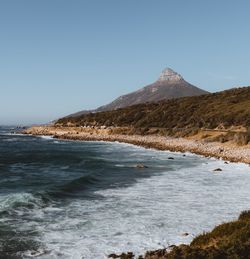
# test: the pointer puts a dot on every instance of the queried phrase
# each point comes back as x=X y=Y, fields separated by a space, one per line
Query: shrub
x=242 y=138
x=227 y=241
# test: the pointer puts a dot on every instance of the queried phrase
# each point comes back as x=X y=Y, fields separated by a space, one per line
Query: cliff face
x=169 y=85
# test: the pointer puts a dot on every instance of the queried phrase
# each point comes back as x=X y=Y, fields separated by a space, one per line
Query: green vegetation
x=182 y=116
x=229 y=240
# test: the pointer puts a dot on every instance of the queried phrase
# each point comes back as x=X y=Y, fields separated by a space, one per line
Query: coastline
x=226 y=151
x=225 y=239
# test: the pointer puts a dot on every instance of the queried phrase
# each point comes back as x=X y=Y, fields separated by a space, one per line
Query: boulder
x=141 y=166
x=217 y=170
x=128 y=255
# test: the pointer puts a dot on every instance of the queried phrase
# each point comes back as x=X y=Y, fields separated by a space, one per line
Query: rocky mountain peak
x=169 y=85
x=169 y=74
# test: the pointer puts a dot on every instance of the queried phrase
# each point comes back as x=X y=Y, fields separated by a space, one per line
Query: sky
x=61 y=56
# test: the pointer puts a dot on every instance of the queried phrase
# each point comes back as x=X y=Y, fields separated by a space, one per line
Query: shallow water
x=65 y=199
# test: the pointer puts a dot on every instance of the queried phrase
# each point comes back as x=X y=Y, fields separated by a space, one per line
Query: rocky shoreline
x=226 y=151
x=224 y=240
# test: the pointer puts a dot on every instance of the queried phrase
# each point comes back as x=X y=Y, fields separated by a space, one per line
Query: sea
x=74 y=199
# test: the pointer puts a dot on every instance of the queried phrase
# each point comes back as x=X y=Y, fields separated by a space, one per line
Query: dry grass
x=227 y=110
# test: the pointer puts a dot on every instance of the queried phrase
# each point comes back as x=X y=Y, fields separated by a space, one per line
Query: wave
x=18 y=231
x=10 y=140
x=15 y=203
x=46 y=137
x=74 y=187
x=8 y=133
x=20 y=200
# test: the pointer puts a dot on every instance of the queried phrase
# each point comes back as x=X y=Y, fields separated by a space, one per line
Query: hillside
x=227 y=108
x=169 y=85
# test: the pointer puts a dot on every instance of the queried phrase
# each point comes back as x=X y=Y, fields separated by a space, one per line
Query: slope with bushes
x=227 y=108
x=228 y=240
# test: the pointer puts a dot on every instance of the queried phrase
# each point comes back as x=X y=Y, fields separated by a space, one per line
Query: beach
x=227 y=151
x=93 y=199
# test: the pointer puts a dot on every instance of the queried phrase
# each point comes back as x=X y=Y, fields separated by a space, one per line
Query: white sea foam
x=151 y=214
x=19 y=134
x=11 y=200
x=9 y=140
x=46 y=137
x=12 y=134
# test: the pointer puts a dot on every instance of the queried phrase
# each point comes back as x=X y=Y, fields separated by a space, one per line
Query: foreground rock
x=217 y=170
x=128 y=255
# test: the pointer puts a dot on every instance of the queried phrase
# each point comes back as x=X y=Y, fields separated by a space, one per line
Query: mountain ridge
x=169 y=85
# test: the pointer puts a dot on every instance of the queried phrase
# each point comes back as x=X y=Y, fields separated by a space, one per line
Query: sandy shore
x=226 y=151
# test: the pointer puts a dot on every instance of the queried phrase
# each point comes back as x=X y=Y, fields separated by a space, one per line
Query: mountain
x=169 y=85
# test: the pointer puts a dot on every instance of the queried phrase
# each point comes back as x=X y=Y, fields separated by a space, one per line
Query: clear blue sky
x=62 y=56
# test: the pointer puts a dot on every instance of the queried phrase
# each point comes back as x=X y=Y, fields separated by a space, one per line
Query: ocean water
x=65 y=199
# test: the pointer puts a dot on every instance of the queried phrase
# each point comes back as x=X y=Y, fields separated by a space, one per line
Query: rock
x=217 y=170
x=170 y=75
x=113 y=256
x=141 y=166
x=156 y=254
x=128 y=255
